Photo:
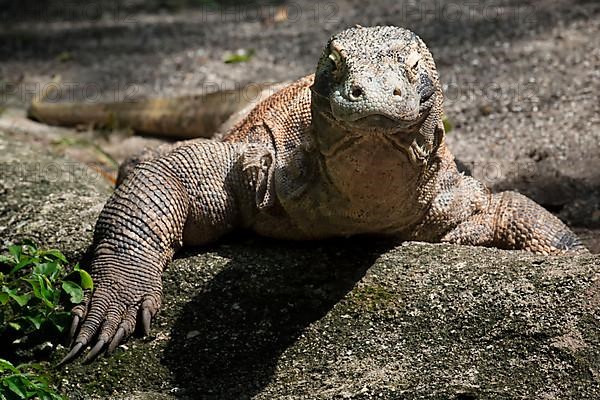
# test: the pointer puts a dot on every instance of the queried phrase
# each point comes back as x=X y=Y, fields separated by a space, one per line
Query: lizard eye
x=412 y=64
x=412 y=61
x=336 y=57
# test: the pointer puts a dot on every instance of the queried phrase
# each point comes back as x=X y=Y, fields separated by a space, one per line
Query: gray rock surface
x=49 y=199
x=340 y=319
x=362 y=319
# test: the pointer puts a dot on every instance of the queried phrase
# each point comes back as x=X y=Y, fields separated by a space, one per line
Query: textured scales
x=357 y=148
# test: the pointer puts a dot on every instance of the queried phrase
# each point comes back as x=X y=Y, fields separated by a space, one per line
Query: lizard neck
x=368 y=169
x=362 y=183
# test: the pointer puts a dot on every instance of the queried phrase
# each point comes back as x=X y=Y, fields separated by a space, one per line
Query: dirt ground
x=522 y=78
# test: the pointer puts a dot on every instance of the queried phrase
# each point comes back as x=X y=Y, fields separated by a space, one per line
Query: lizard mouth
x=384 y=121
x=380 y=123
x=377 y=121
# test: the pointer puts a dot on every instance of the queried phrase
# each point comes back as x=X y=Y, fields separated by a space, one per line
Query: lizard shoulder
x=280 y=120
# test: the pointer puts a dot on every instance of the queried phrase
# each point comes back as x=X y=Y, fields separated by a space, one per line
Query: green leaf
x=24 y=261
x=47 y=269
x=33 y=367
x=15 y=325
x=6 y=365
x=36 y=320
x=86 y=280
x=21 y=300
x=239 y=56
x=73 y=290
x=447 y=125
x=15 y=250
x=35 y=286
x=29 y=247
x=41 y=290
x=17 y=385
x=4 y=259
x=64 y=57
x=51 y=296
x=56 y=254
x=3 y=298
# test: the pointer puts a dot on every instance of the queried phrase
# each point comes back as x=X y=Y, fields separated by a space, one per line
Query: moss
x=371 y=298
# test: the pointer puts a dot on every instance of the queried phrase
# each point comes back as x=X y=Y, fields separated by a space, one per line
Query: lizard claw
x=117 y=339
x=125 y=328
x=72 y=354
x=79 y=312
x=94 y=351
x=149 y=308
x=146 y=319
x=73 y=330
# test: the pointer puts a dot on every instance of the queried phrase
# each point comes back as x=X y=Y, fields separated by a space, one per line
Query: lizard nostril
x=356 y=93
x=397 y=92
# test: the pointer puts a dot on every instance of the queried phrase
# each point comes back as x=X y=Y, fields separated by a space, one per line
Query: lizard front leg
x=513 y=221
x=202 y=188
x=149 y=154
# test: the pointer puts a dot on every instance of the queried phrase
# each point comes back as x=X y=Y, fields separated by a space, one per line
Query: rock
x=362 y=319
x=52 y=200
x=355 y=318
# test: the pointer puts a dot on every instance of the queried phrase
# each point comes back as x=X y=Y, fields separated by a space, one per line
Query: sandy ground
x=522 y=78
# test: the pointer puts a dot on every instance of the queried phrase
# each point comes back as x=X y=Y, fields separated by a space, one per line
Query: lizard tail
x=183 y=117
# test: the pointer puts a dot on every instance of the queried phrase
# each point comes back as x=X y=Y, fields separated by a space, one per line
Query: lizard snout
x=390 y=98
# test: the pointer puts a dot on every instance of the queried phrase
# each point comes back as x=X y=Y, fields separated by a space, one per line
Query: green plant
x=240 y=56
x=447 y=125
x=33 y=283
x=26 y=381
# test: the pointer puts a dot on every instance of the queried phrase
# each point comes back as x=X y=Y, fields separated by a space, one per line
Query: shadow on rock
x=228 y=338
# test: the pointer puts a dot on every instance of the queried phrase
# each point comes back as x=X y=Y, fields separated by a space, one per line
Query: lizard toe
x=148 y=310
x=72 y=354
x=73 y=329
x=95 y=316
x=112 y=320
x=78 y=312
x=87 y=317
x=94 y=351
x=125 y=329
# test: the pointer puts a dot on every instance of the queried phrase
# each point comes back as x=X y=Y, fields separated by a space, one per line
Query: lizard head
x=378 y=80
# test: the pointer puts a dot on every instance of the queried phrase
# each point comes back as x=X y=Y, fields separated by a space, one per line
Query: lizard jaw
x=379 y=122
x=407 y=140
x=375 y=124
x=417 y=152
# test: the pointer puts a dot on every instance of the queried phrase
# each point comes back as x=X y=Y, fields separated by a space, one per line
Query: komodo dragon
x=356 y=148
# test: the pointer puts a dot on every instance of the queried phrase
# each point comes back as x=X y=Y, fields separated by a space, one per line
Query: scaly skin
x=358 y=148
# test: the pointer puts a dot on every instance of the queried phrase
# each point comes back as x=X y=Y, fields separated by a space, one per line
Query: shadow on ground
x=575 y=200
x=228 y=338
x=97 y=30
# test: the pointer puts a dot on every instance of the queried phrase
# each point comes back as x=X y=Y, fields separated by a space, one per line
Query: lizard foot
x=109 y=316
